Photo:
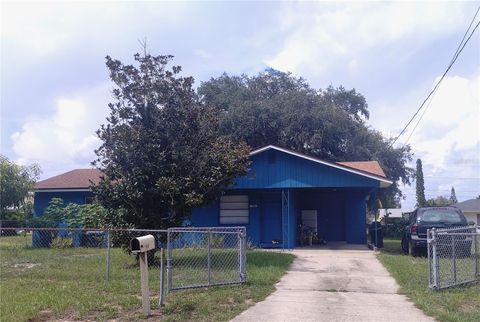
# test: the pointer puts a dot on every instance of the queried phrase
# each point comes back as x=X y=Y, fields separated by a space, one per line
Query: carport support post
x=144 y=283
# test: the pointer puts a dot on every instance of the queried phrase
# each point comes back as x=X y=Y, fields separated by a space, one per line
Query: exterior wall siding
x=42 y=199
x=275 y=169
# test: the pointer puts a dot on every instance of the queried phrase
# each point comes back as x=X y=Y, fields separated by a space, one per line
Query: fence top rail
x=452 y=229
x=225 y=230
x=85 y=229
x=208 y=228
x=459 y=234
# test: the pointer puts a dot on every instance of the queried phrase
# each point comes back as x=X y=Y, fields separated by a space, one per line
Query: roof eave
x=61 y=189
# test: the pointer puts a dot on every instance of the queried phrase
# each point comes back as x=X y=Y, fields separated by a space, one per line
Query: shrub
x=61 y=243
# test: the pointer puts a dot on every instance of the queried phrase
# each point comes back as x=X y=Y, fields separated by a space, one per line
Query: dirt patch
x=25 y=265
x=249 y=302
x=469 y=307
x=42 y=316
x=84 y=255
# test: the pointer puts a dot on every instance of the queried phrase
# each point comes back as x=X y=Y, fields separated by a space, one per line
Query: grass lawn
x=48 y=284
x=454 y=304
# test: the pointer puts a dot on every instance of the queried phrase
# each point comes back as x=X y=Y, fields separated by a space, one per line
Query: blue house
x=283 y=191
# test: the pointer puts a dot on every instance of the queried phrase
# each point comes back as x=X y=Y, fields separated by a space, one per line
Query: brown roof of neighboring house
x=75 y=179
x=372 y=167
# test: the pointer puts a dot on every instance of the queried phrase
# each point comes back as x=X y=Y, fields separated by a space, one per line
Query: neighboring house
x=72 y=186
x=282 y=190
x=392 y=213
x=471 y=209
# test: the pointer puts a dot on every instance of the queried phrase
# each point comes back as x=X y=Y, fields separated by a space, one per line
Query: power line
x=454 y=59
x=454 y=178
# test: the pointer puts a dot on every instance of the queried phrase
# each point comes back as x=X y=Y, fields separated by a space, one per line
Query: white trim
x=63 y=190
x=384 y=183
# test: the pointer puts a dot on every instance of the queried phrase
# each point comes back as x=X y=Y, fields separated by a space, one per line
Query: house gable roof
x=369 y=169
x=82 y=179
x=471 y=205
x=78 y=179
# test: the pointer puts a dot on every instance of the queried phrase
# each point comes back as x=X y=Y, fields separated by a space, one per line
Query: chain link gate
x=202 y=257
x=453 y=256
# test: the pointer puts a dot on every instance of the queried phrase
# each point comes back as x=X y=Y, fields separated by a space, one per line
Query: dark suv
x=415 y=237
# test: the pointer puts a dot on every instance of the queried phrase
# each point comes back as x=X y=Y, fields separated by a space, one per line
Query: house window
x=234 y=209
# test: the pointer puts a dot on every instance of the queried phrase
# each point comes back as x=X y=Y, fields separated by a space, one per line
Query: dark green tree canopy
x=277 y=108
x=420 y=185
x=453 y=197
x=162 y=152
x=15 y=183
x=439 y=201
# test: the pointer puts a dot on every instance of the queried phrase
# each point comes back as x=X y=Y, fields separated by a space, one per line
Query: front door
x=271 y=219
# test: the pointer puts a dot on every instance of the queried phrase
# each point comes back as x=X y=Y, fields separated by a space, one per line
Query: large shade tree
x=162 y=152
x=15 y=183
x=277 y=108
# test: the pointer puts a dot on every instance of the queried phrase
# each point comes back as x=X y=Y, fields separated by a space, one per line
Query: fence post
x=435 y=263
x=454 y=260
x=209 y=257
x=160 y=297
x=169 y=262
x=242 y=255
x=429 y=258
x=107 y=275
x=476 y=251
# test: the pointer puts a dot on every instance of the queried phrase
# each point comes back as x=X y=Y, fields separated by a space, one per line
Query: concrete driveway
x=335 y=285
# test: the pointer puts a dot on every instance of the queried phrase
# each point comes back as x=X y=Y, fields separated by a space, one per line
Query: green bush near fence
x=69 y=284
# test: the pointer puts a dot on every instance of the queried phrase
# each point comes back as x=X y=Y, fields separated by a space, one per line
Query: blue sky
x=55 y=86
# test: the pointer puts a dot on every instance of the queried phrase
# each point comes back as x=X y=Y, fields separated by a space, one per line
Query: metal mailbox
x=142 y=244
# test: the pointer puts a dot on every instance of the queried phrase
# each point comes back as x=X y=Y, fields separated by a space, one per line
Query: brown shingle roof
x=366 y=166
x=75 y=179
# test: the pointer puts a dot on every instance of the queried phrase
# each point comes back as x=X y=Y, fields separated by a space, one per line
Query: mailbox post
x=140 y=246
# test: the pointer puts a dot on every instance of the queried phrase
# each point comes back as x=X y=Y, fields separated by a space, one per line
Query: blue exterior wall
x=356 y=211
x=341 y=215
x=209 y=215
x=40 y=203
x=276 y=169
x=42 y=198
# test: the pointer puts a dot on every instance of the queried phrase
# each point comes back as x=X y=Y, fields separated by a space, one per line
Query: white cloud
x=322 y=38
x=447 y=139
x=66 y=138
x=454 y=116
x=47 y=27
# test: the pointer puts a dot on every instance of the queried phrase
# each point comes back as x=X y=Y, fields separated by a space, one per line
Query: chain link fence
x=205 y=257
x=453 y=256
x=196 y=257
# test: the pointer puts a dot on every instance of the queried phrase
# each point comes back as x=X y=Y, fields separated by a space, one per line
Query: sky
x=55 y=86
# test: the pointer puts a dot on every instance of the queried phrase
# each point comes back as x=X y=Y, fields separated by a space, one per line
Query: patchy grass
x=55 y=284
x=454 y=304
